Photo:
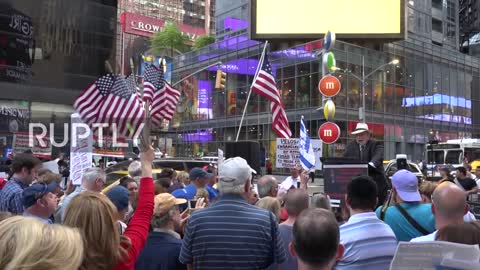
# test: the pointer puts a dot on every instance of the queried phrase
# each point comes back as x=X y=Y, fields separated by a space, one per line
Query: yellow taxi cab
x=475 y=164
x=390 y=167
x=113 y=178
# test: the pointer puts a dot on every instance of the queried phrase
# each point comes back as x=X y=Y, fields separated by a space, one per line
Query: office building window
x=437 y=25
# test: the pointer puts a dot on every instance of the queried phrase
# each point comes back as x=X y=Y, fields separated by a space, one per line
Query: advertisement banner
x=205 y=99
x=106 y=148
x=40 y=149
x=80 y=152
x=287 y=154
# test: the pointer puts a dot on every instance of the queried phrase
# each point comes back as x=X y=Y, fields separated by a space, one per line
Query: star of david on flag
x=307 y=157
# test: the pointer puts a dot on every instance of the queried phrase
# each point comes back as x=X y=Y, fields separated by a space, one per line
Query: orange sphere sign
x=329 y=86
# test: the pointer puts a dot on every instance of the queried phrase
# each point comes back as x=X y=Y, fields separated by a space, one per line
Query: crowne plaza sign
x=148 y=26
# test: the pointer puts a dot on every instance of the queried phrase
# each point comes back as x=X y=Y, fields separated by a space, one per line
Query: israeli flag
x=307 y=157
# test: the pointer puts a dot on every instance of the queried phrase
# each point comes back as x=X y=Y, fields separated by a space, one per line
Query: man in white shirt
x=369 y=242
x=449 y=205
x=297 y=179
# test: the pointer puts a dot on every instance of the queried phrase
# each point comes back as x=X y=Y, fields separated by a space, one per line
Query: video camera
x=402 y=163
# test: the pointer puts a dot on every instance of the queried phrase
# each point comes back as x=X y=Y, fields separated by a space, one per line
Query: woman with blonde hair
x=182 y=177
x=94 y=215
x=28 y=244
x=272 y=204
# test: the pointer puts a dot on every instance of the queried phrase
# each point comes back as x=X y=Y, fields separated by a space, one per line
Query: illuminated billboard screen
x=311 y=19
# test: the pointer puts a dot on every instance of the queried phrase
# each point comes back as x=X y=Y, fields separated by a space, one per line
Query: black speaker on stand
x=248 y=150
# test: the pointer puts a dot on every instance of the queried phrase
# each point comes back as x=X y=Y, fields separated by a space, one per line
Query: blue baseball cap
x=406 y=185
x=198 y=173
x=36 y=191
x=118 y=195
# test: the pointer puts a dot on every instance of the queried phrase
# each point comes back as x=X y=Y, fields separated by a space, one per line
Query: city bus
x=452 y=152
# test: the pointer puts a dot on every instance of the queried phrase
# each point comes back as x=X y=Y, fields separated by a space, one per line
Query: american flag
x=153 y=81
x=112 y=100
x=264 y=85
x=89 y=102
x=164 y=104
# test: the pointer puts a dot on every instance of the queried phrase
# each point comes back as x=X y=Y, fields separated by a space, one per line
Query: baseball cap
x=36 y=191
x=234 y=171
x=406 y=184
x=163 y=202
x=118 y=195
x=197 y=173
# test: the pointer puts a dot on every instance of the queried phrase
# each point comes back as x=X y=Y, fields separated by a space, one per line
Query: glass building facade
x=432 y=88
x=195 y=13
x=434 y=21
x=50 y=50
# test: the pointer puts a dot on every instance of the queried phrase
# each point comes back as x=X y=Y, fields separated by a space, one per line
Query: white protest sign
x=287 y=153
x=220 y=157
x=52 y=165
x=80 y=150
x=435 y=255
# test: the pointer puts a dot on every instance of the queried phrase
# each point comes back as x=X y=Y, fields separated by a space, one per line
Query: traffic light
x=221 y=79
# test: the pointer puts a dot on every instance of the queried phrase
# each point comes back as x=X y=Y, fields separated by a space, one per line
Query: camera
x=402 y=163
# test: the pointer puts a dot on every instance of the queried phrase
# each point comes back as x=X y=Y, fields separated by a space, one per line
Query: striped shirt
x=232 y=234
x=11 y=197
x=369 y=243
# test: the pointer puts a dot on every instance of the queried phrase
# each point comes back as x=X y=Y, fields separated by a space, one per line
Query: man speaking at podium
x=369 y=151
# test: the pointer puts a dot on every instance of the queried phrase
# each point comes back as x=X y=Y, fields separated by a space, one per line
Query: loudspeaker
x=248 y=150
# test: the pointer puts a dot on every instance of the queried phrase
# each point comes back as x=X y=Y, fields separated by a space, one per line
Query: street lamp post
x=361 y=113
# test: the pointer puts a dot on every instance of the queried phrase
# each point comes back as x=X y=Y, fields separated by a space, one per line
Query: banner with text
x=287 y=153
x=22 y=142
x=109 y=146
x=80 y=152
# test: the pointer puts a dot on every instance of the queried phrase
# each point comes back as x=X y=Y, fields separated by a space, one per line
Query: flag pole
x=260 y=63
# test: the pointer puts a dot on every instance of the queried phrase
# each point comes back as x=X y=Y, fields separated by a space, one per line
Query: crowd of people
x=216 y=218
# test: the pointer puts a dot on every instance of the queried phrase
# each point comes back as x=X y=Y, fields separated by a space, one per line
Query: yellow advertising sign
x=312 y=18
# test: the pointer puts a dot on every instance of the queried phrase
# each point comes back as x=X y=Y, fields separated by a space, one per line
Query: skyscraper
x=434 y=21
x=469 y=26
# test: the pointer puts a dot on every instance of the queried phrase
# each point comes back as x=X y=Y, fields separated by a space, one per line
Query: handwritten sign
x=80 y=153
x=287 y=154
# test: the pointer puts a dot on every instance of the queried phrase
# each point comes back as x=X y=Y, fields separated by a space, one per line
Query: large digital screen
x=437 y=99
x=304 y=19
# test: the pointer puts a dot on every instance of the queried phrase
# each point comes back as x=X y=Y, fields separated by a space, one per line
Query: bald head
x=267 y=186
x=296 y=201
x=449 y=201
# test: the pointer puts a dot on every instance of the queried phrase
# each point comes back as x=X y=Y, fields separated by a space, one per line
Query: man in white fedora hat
x=366 y=149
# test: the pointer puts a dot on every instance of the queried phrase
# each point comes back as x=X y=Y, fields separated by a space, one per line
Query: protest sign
x=41 y=148
x=80 y=152
x=108 y=147
x=436 y=255
x=287 y=154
